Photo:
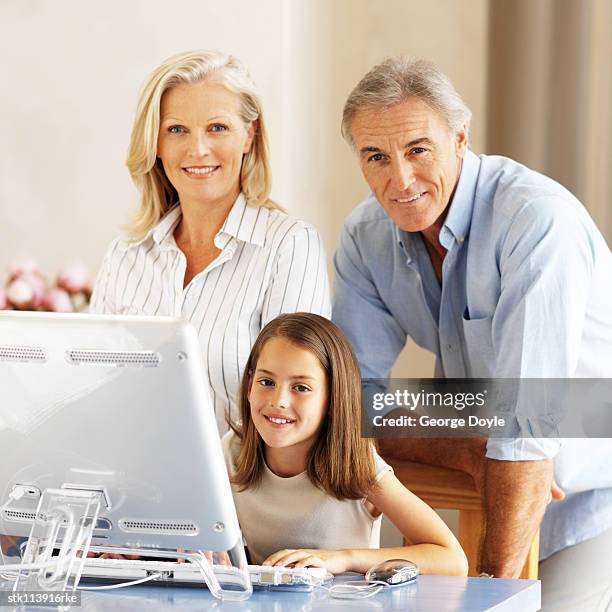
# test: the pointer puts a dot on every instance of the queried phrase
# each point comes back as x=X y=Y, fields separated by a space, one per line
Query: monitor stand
x=65 y=520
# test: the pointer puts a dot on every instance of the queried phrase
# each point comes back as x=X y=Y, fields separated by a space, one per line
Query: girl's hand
x=334 y=561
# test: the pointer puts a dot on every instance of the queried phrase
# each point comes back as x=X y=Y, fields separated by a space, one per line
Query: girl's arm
x=433 y=547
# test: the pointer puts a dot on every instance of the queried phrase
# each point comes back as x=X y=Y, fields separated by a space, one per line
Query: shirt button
x=449 y=347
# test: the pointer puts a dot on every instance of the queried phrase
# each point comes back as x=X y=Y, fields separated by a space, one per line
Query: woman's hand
x=334 y=561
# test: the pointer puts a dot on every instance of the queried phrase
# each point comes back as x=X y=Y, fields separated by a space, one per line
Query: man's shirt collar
x=459 y=217
x=457 y=224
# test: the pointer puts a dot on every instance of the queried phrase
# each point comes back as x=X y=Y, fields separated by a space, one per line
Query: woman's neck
x=202 y=221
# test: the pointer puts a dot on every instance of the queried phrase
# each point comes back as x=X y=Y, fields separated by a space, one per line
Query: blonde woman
x=208 y=244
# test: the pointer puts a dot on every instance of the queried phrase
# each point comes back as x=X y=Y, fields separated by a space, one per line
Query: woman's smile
x=200 y=172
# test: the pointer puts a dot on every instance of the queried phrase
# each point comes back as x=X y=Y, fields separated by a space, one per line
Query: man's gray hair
x=398 y=78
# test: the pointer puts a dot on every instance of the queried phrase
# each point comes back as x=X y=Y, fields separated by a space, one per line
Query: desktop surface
x=435 y=593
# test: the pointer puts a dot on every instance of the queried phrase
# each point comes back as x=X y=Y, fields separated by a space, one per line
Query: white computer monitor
x=116 y=404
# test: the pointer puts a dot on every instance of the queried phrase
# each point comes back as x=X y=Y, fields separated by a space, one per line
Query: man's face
x=410 y=160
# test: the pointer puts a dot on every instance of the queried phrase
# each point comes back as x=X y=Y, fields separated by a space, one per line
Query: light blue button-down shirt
x=526 y=293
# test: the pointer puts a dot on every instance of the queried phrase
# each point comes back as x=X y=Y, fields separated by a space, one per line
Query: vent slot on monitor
x=25 y=516
x=22 y=516
x=22 y=353
x=137 y=359
x=159 y=527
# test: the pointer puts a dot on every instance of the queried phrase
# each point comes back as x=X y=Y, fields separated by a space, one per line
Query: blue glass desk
x=435 y=593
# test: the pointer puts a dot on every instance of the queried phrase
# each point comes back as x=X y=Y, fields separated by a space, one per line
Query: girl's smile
x=281 y=421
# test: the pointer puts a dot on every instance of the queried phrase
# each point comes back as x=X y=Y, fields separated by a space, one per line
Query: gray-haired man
x=501 y=273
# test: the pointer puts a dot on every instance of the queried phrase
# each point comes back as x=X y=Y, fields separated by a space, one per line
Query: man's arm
x=358 y=309
x=464 y=454
x=515 y=492
x=536 y=331
x=516 y=495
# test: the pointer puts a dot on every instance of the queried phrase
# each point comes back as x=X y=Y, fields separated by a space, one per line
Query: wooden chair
x=443 y=488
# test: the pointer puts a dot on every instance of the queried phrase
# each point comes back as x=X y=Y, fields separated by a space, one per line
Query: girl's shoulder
x=230 y=444
x=381 y=467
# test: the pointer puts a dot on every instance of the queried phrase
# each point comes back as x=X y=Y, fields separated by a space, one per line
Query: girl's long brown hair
x=340 y=461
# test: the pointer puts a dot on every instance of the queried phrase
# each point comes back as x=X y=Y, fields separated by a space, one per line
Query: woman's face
x=201 y=142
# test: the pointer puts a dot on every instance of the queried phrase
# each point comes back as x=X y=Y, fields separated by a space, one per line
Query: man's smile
x=410 y=199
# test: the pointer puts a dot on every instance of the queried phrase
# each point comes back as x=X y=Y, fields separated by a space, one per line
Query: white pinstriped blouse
x=269 y=263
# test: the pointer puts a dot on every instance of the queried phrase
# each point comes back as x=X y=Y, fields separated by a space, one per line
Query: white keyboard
x=173 y=572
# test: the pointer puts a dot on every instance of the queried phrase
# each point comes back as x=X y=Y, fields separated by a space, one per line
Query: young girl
x=308 y=489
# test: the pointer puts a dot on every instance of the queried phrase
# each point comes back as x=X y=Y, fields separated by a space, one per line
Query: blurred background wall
x=550 y=93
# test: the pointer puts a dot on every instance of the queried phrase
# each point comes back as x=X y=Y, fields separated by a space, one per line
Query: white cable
x=356 y=589
x=17 y=493
x=17 y=567
x=121 y=584
x=12 y=569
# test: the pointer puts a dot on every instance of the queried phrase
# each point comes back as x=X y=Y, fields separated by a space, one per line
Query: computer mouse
x=394 y=572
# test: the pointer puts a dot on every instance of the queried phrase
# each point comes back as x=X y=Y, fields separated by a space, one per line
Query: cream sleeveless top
x=293 y=513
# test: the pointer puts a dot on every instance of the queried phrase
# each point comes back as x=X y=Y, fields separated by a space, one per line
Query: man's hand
x=556 y=492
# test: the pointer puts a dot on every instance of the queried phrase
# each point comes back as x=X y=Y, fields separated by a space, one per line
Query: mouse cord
x=356 y=589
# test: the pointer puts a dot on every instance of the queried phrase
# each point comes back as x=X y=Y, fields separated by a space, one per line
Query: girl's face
x=288 y=396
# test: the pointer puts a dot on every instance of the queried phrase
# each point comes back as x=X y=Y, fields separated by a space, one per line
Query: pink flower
x=23 y=266
x=74 y=278
x=20 y=294
x=39 y=287
x=57 y=300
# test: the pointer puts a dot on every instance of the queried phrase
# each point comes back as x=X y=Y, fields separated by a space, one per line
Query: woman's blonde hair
x=157 y=195
x=340 y=461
